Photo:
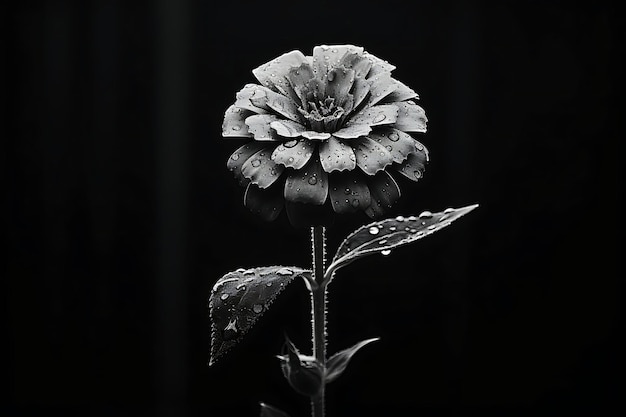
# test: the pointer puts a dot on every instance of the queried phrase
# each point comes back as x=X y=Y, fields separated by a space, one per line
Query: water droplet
x=224 y=296
x=385 y=252
x=382 y=242
x=268 y=284
x=413 y=230
x=374 y=230
x=236 y=127
x=394 y=137
x=347 y=191
x=284 y=271
x=419 y=146
x=382 y=154
x=290 y=143
x=290 y=160
x=392 y=228
x=355 y=203
x=432 y=227
x=331 y=76
x=256 y=163
x=235 y=156
x=273 y=171
x=426 y=215
x=257 y=308
x=379 y=118
x=412 y=218
x=389 y=148
x=312 y=180
x=231 y=331
x=400 y=218
x=448 y=211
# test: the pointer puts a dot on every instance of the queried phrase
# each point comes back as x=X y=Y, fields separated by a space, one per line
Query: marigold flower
x=326 y=127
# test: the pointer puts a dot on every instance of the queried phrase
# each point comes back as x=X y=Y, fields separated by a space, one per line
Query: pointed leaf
x=269 y=411
x=240 y=297
x=339 y=361
x=383 y=236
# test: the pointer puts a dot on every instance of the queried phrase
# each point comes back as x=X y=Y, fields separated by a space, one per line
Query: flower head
x=330 y=127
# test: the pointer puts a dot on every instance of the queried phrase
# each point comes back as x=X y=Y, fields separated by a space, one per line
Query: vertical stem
x=318 y=312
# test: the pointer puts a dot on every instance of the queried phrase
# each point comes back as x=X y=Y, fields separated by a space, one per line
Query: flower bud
x=304 y=373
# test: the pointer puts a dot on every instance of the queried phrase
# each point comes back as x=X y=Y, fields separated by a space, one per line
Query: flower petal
x=376 y=115
x=358 y=62
x=274 y=72
x=259 y=126
x=371 y=156
x=308 y=185
x=360 y=90
x=245 y=96
x=401 y=93
x=336 y=155
x=294 y=153
x=287 y=128
x=310 y=134
x=299 y=78
x=265 y=203
x=348 y=192
x=327 y=57
x=241 y=155
x=381 y=86
x=384 y=191
x=379 y=66
x=234 y=123
x=397 y=142
x=284 y=106
x=353 y=131
x=261 y=170
x=415 y=165
x=411 y=117
x=339 y=83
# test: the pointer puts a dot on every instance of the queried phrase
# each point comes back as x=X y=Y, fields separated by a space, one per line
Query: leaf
x=240 y=297
x=383 y=236
x=269 y=411
x=339 y=361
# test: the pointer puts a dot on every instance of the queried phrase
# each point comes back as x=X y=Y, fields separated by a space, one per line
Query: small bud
x=304 y=373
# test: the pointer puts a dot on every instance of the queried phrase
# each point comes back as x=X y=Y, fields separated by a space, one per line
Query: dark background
x=120 y=213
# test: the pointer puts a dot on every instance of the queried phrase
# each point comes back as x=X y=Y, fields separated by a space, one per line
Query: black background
x=121 y=214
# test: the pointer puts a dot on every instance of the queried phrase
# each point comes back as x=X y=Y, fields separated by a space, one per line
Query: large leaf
x=383 y=236
x=339 y=361
x=269 y=411
x=240 y=297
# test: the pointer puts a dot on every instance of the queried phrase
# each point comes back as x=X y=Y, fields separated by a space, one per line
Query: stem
x=318 y=312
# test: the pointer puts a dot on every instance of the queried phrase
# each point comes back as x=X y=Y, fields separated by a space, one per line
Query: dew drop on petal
x=379 y=118
x=331 y=76
x=394 y=137
x=235 y=156
x=255 y=163
x=290 y=143
x=355 y=203
x=268 y=284
x=385 y=252
x=374 y=230
x=224 y=296
x=235 y=128
x=312 y=180
x=347 y=191
x=389 y=148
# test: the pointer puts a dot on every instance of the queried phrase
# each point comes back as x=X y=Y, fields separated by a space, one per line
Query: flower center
x=323 y=115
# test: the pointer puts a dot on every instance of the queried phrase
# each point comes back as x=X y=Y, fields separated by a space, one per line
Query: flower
x=330 y=127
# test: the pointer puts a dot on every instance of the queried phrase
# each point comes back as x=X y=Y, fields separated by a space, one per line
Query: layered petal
x=384 y=191
x=401 y=93
x=326 y=57
x=397 y=142
x=273 y=74
x=265 y=203
x=287 y=128
x=349 y=192
x=247 y=94
x=376 y=115
x=240 y=156
x=411 y=117
x=299 y=78
x=294 y=153
x=380 y=87
x=234 y=124
x=353 y=131
x=260 y=126
x=308 y=185
x=339 y=83
x=335 y=155
x=415 y=165
x=371 y=156
x=261 y=170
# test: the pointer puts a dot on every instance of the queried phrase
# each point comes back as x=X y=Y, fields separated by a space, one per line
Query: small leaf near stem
x=386 y=235
x=339 y=361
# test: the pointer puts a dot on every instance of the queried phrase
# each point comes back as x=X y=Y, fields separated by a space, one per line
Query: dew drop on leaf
x=374 y=230
x=385 y=252
x=426 y=215
x=284 y=271
x=400 y=218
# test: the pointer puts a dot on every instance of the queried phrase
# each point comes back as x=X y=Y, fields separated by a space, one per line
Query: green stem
x=318 y=312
